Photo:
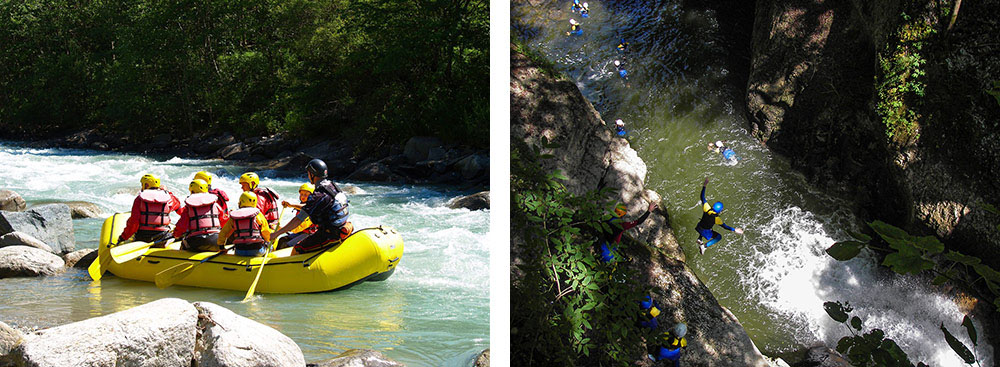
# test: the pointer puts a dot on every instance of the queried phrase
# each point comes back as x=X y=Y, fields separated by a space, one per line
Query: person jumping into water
x=709 y=219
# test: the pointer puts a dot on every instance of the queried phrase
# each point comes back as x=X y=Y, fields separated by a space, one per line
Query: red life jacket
x=271 y=198
x=247 y=230
x=203 y=214
x=154 y=212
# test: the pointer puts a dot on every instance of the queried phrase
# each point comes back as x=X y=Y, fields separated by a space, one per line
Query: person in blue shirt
x=585 y=10
x=621 y=69
x=576 y=6
x=727 y=153
x=574 y=28
x=620 y=127
x=709 y=218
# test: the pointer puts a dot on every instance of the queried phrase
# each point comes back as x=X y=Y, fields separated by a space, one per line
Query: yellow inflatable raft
x=368 y=254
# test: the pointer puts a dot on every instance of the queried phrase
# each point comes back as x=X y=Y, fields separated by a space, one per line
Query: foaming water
x=433 y=311
x=776 y=276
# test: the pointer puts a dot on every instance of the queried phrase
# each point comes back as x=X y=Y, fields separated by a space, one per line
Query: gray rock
x=9 y=339
x=22 y=239
x=436 y=153
x=160 y=141
x=80 y=259
x=360 y=358
x=477 y=201
x=24 y=261
x=214 y=144
x=352 y=190
x=823 y=356
x=483 y=360
x=231 y=151
x=231 y=340
x=375 y=171
x=51 y=224
x=473 y=166
x=159 y=333
x=418 y=147
x=83 y=209
x=11 y=201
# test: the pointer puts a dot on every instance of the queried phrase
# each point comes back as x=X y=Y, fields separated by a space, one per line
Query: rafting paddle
x=129 y=251
x=174 y=274
x=253 y=285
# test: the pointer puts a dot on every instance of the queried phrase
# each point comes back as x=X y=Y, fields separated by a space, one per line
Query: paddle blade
x=173 y=274
x=97 y=268
x=133 y=250
x=253 y=285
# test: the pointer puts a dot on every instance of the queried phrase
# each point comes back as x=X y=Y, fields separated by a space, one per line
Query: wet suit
x=616 y=234
x=709 y=219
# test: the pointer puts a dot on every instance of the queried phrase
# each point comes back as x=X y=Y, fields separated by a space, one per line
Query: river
x=433 y=311
x=676 y=101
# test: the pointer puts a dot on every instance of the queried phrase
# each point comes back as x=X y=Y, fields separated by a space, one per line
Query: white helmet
x=572 y=21
x=617 y=63
x=680 y=330
x=585 y=5
x=619 y=122
x=719 y=143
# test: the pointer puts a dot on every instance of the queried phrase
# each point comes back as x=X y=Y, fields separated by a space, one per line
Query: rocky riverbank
x=592 y=157
x=167 y=332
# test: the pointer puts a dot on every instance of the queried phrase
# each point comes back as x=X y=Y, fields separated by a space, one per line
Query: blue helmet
x=717 y=207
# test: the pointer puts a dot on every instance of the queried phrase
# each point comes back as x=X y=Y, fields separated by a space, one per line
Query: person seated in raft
x=327 y=207
x=709 y=218
x=618 y=227
x=150 y=218
x=267 y=199
x=622 y=46
x=727 y=153
x=201 y=219
x=621 y=69
x=249 y=229
x=223 y=199
x=307 y=227
x=576 y=6
x=574 y=28
x=585 y=10
x=670 y=344
x=620 y=127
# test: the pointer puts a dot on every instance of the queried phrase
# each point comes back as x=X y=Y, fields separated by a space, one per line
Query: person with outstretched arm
x=618 y=227
x=709 y=218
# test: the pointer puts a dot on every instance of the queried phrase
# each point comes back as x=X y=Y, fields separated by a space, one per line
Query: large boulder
x=24 y=261
x=483 y=360
x=80 y=259
x=51 y=224
x=477 y=201
x=375 y=171
x=213 y=144
x=231 y=340
x=22 y=239
x=359 y=358
x=11 y=201
x=9 y=339
x=159 y=333
x=418 y=147
x=234 y=151
x=473 y=165
x=83 y=209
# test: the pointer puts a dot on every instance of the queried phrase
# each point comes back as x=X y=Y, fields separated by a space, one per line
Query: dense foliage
x=567 y=307
x=382 y=69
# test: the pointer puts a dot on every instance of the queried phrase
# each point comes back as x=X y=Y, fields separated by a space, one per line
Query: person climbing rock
x=620 y=127
x=709 y=218
x=585 y=10
x=618 y=227
x=728 y=153
x=670 y=344
x=574 y=28
x=648 y=313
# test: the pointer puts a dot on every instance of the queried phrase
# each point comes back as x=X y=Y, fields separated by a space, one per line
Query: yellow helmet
x=251 y=179
x=307 y=187
x=620 y=210
x=205 y=176
x=248 y=200
x=149 y=181
x=198 y=186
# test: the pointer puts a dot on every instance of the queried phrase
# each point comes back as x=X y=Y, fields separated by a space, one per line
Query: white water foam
x=795 y=277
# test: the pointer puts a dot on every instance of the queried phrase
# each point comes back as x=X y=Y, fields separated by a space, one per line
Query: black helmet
x=317 y=168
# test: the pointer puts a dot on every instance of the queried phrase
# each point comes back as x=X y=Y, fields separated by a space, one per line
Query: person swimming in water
x=727 y=153
x=574 y=28
x=621 y=69
x=620 y=127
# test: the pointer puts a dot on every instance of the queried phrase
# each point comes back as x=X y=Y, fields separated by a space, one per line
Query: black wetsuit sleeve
x=703 y=195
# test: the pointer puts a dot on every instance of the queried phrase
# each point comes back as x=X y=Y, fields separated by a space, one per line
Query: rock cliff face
x=811 y=96
x=592 y=157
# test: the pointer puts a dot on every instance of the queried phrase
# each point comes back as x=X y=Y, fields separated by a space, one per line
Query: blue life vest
x=729 y=154
x=329 y=206
x=607 y=252
x=669 y=354
x=623 y=73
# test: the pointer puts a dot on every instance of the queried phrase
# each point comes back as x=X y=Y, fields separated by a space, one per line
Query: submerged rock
x=359 y=358
x=228 y=339
x=11 y=201
x=477 y=201
x=24 y=261
x=51 y=224
x=80 y=259
x=159 y=333
x=22 y=239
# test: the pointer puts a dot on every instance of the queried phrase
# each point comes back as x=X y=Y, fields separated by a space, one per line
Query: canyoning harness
x=328 y=206
x=671 y=348
x=223 y=199
x=203 y=214
x=709 y=217
x=246 y=233
x=649 y=312
x=154 y=213
x=267 y=202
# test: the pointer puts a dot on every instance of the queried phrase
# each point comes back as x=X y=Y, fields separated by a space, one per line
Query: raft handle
x=153 y=261
x=228 y=268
